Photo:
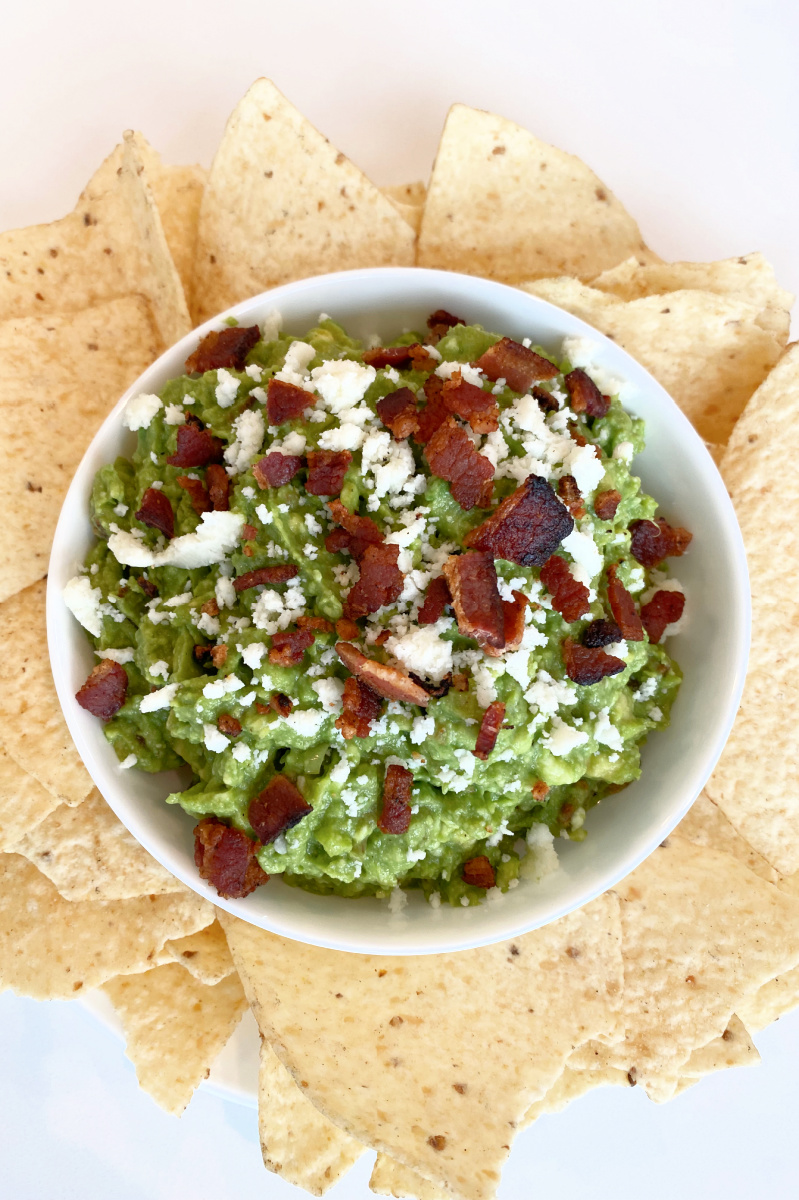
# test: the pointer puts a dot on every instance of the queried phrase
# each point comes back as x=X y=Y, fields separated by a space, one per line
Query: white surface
x=676 y=763
x=688 y=112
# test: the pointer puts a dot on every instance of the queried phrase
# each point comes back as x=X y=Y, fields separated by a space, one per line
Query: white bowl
x=712 y=647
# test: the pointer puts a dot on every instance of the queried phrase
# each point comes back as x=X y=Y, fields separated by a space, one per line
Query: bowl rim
x=469 y=936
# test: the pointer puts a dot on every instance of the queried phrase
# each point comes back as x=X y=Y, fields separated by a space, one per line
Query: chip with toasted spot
x=205 y=954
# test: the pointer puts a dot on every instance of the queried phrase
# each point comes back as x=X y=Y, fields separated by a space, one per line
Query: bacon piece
x=622 y=605
x=391 y=682
x=584 y=395
x=490 y=726
x=546 y=401
x=347 y=630
x=526 y=528
x=421 y=360
x=280 y=806
x=219 y=655
x=451 y=455
x=280 y=703
x=516 y=364
x=513 y=617
x=434 y=690
x=606 y=503
x=652 y=541
x=380 y=583
x=211 y=607
x=103 y=693
x=201 y=653
x=571 y=497
x=218 y=487
x=316 y=624
x=390 y=356
x=664 y=608
x=360 y=706
x=361 y=531
x=278 y=574
x=478 y=872
x=472 y=580
x=460 y=682
x=326 y=471
x=395 y=816
x=198 y=495
x=569 y=597
x=289 y=646
x=440 y=322
x=601 y=633
x=231 y=726
x=156 y=511
x=576 y=436
x=435 y=411
x=437 y=597
x=225 y=857
x=398 y=412
x=196 y=446
x=286 y=401
x=586 y=665
x=227 y=347
x=471 y=403
x=248 y=533
x=275 y=469
x=147 y=586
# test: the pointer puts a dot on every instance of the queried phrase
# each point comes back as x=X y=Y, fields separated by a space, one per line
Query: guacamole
x=323 y=656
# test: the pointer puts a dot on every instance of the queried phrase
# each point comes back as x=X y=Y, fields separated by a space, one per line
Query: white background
x=688 y=111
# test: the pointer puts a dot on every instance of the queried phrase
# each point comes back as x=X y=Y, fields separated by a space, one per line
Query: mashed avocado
x=196 y=651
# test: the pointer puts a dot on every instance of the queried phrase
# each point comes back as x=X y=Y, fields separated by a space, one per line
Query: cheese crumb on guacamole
x=398 y=611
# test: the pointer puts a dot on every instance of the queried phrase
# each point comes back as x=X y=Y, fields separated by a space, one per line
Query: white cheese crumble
x=423 y=650
x=249 y=429
x=422 y=728
x=218 y=688
x=217 y=534
x=140 y=410
x=329 y=692
x=563 y=738
x=162 y=698
x=605 y=732
x=85 y=603
x=342 y=383
x=252 y=655
x=225 y=592
x=227 y=388
x=174 y=415
x=128 y=762
x=160 y=668
x=397 y=901
x=122 y=656
x=214 y=739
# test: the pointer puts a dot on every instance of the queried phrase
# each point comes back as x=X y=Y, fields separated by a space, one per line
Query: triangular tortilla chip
x=390 y=1178
x=505 y=205
x=178 y=192
x=408 y=199
x=763 y=805
x=281 y=203
x=706 y=825
x=770 y=1002
x=24 y=803
x=709 y=352
x=204 y=955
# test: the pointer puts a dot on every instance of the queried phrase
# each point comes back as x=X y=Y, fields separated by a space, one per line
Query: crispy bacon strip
x=571 y=497
x=289 y=646
x=156 y=511
x=227 y=347
x=103 y=693
x=225 y=857
x=472 y=580
x=586 y=665
x=478 y=872
x=440 y=322
x=390 y=356
x=546 y=401
x=275 y=469
x=513 y=618
x=388 y=681
x=437 y=597
x=200 y=500
x=326 y=471
x=360 y=706
x=280 y=806
x=490 y=726
x=380 y=583
x=606 y=503
x=471 y=403
x=278 y=574
x=601 y=633
x=395 y=816
x=286 y=401
x=516 y=364
x=526 y=528
x=622 y=605
x=569 y=597
x=398 y=412
x=652 y=541
x=435 y=411
x=664 y=608
x=451 y=456
x=196 y=446
x=218 y=487
x=584 y=395
x=361 y=532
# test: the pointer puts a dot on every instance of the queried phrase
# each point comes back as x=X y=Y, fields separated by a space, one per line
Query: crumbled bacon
x=586 y=665
x=516 y=364
x=316 y=624
x=388 y=681
x=360 y=706
x=437 y=597
x=584 y=395
x=664 y=608
x=198 y=495
x=156 y=511
x=380 y=583
x=478 y=872
x=275 y=469
x=540 y=790
x=229 y=725
x=147 y=586
x=227 y=347
x=278 y=574
x=435 y=411
x=622 y=605
x=460 y=682
x=347 y=630
x=569 y=597
x=360 y=531
x=390 y=356
x=576 y=436
x=440 y=322
x=434 y=690
x=546 y=401
x=103 y=693
x=326 y=471
x=571 y=497
x=280 y=703
x=527 y=527
x=196 y=446
x=286 y=401
x=289 y=646
x=652 y=541
x=513 y=619
x=471 y=403
x=218 y=482
x=395 y=816
x=398 y=412
x=201 y=653
x=280 y=806
x=606 y=503
x=219 y=655
x=248 y=533
x=210 y=607
x=451 y=455
x=472 y=580
x=601 y=633
x=225 y=857
x=490 y=726
x=421 y=360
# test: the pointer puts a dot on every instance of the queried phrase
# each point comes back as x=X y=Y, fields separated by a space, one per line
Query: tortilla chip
x=178 y=192
x=205 y=955
x=33 y=729
x=734 y=1048
x=706 y=825
x=390 y=1178
x=408 y=199
x=24 y=803
x=281 y=203
x=709 y=352
x=89 y=855
x=750 y=278
x=505 y=205
x=52 y=948
x=570 y=1085
x=174 y=1028
x=770 y=1002
x=439 y=1087
x=761 y=798
x=59 y=378
x=297 y=1142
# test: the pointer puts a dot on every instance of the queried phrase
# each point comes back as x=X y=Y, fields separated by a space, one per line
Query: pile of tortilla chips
x=434 y=1062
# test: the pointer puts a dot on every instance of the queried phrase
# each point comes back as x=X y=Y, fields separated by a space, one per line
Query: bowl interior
x=711 y=648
